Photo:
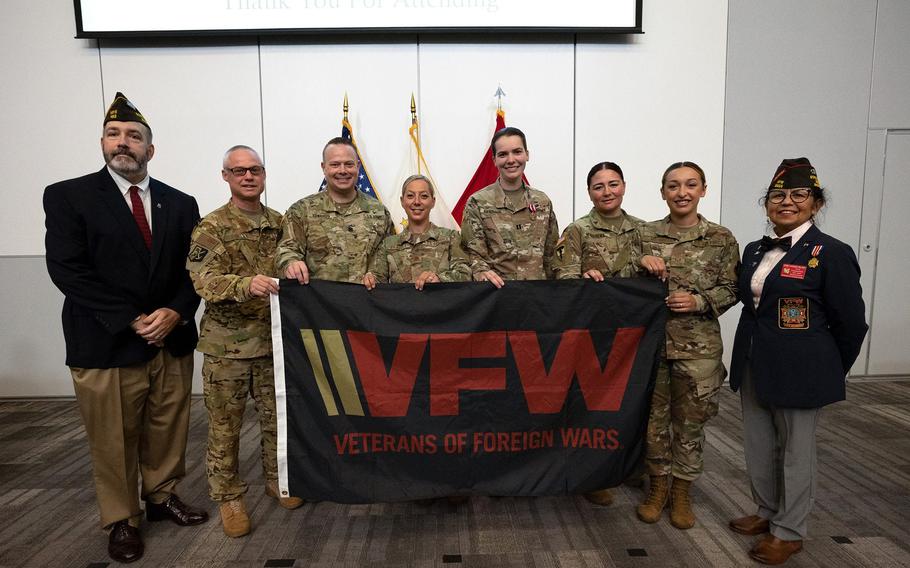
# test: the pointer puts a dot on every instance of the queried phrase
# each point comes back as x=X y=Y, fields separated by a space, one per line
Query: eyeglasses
x=796 y=195
x=240 y=172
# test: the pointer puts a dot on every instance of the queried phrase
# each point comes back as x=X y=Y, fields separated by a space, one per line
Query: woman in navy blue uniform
x=801 y=328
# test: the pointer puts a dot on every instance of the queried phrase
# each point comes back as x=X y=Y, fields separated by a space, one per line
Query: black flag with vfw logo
x=538 y=388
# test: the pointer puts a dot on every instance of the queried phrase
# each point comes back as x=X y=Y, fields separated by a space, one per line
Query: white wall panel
x=653 y=101
x=31 y=338
x=891 y=66
x=199 y=101
x=303 y=88
x=873 y=190
x=50 y=114
x=457 y=83
x=888 y=354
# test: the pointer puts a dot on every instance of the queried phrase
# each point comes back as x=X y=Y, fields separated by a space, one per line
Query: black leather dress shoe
x=175 y=510
x=125 y=543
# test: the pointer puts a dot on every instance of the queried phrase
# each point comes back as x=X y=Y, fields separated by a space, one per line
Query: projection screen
x=147 y=18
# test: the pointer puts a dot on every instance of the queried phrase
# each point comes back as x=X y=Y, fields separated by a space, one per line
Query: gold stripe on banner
x=341 y=372
x=312 y=351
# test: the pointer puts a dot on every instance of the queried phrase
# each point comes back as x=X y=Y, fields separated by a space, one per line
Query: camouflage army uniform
x=516 y=243
x=703 y=260
x=228 y=248
x=334 y=241
x=402 y=258
x=591 y=243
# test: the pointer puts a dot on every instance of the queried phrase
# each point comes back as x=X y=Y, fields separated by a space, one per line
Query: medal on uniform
x=532 y=205
x=813 y=262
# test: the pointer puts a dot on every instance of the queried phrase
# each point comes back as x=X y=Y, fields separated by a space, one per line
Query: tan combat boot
x=271 y=489
x=681 y=515
x=234 y=518
x=658 y=491
x=602 y=497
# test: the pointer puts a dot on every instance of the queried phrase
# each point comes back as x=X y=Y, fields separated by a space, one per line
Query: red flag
x=485 y=175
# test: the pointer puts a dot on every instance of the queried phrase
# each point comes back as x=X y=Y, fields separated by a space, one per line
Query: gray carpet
x=48 y=515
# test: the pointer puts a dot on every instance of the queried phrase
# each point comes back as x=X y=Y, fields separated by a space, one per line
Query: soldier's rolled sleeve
x=567 y=256
x=459 y=266
x=292 y=245
x=550 y=244
x=389 y=224
x=637 y=252
x=379 y=262
x=473 y=240
x=722 y=295
x=214 y=287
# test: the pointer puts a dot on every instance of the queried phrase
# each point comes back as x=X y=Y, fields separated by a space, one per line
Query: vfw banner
x=538 y=388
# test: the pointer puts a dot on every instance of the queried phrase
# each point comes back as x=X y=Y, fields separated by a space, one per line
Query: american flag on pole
x=364 y=182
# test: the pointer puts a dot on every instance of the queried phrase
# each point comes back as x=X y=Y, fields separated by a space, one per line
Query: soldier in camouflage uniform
x=331 y=235
x=509 y=229
x=423 y=252
x=232 y=268
x=604 y=243
x=700 y=259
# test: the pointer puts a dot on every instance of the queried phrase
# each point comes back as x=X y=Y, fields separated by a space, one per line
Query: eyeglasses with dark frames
x=798 y=195
x=240 y=172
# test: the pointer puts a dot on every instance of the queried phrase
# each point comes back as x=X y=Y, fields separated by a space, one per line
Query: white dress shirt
x=770 y=260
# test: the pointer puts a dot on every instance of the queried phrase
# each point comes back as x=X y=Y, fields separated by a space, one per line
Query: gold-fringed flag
x=416 y=163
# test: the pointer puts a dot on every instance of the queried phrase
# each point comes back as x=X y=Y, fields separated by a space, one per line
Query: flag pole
x=414 y=132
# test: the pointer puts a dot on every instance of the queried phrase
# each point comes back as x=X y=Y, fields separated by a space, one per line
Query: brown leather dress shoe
x=174 y=509
x=124 y=542
x=772 y=550
x=751 y=525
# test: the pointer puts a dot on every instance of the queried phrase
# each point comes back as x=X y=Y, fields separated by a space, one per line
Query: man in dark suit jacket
x=116 y=246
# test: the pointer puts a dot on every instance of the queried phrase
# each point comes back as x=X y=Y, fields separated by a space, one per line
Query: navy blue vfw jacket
x=807 y=331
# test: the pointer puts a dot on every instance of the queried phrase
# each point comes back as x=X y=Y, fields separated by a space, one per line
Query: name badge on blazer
x=793 y=313
x=793 y=271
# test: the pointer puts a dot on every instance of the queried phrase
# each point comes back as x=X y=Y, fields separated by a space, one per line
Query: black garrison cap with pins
x=795 y=172
x=123 y=110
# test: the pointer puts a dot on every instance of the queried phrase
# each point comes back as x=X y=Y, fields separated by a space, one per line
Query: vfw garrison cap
x=795 y=172
x=123 y=110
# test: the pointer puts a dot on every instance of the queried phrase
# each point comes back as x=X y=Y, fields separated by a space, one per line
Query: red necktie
x=139 y=216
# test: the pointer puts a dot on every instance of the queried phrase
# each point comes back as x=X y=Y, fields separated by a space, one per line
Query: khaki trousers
x=136 y=419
